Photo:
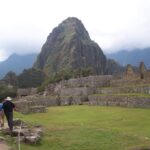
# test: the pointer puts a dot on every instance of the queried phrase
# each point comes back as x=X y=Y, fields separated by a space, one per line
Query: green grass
x=91 y=128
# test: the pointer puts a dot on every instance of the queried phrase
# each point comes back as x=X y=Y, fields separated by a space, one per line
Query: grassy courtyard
x=91 y=128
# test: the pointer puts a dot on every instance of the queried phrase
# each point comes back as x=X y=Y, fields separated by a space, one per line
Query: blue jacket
x=1 y=106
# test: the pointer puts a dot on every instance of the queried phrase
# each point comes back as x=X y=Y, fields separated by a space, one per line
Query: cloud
x=113 y=24
x=3 y=55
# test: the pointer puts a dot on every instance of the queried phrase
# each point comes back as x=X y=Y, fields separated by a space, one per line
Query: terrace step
x=127 y=89
x=126 y=100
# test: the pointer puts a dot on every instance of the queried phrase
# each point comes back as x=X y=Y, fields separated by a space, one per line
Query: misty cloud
x=113 y=24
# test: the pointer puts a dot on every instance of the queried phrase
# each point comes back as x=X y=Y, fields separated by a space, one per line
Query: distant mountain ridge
x=69 y=46
x=16 y=63
x=133 y=57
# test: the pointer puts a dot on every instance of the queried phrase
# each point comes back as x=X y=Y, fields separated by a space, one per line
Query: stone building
x=142 y=69
x=144 y=72
x=141 y=73
x=130 y=73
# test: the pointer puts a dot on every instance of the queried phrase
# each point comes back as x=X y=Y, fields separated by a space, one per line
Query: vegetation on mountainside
x=27 y=79
x=7 y=91
x=35 y=78
x=11 y=78
x=91 y=127
x=113 y=67
x=30 y=78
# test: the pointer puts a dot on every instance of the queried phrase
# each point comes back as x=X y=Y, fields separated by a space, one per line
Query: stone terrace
x=132 y=90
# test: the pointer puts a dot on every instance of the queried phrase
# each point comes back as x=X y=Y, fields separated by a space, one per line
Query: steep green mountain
x=133 y=57
x=69 y=47
x=17 y=63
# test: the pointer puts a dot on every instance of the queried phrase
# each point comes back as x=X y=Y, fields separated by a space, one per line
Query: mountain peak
x=16 y=63
x=70 y=28
x=69 y=47
x=78 y=27
x=71 y=20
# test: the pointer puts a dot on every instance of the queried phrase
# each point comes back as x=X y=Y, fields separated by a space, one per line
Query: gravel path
x=3 y=146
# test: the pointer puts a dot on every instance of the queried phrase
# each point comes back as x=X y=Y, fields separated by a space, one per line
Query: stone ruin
x=26 y=91
x=144 y=73
x=142 y=67
x=30 y=135
x=73 y=91
x=141 y=73
x=27 y=106
x=129 y=73
x=92 y=90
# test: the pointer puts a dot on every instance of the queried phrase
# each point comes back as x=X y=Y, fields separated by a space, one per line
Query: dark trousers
x=9 y=117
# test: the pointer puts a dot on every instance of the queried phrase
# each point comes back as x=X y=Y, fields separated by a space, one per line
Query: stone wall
x=118 y=100
x=30 y=104
x=26 y=91
x=147 y=75
x=117 y=90
x=76 y=91
x=71 y=100
x=91 y=81
x=127 y=82
x=26 y=107
x=78 y=86
x=23 y=106
x=130 y=74
x=42 y=100
x=80 y=91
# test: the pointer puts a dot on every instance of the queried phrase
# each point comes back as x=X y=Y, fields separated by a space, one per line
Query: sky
x=113 y=24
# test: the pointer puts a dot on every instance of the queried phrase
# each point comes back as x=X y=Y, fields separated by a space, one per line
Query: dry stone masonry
x=132 y=90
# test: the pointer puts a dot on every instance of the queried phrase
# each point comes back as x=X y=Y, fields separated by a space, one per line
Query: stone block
x=37 y=109
x=119 y=100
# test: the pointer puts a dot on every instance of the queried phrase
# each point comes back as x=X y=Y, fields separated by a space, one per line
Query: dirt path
x=3 y=146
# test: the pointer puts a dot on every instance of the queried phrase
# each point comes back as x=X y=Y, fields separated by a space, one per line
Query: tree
x=11 y=78
x=7 y=91
x=86 y=72
x=30 y=78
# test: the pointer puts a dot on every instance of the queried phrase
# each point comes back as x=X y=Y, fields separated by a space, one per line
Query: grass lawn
x=91 y=128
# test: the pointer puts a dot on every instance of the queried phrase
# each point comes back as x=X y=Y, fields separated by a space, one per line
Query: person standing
x=8 y=107
x=1 y=115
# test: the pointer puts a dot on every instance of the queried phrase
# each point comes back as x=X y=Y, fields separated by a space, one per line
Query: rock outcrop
x=69 y=47
x=26 y=134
